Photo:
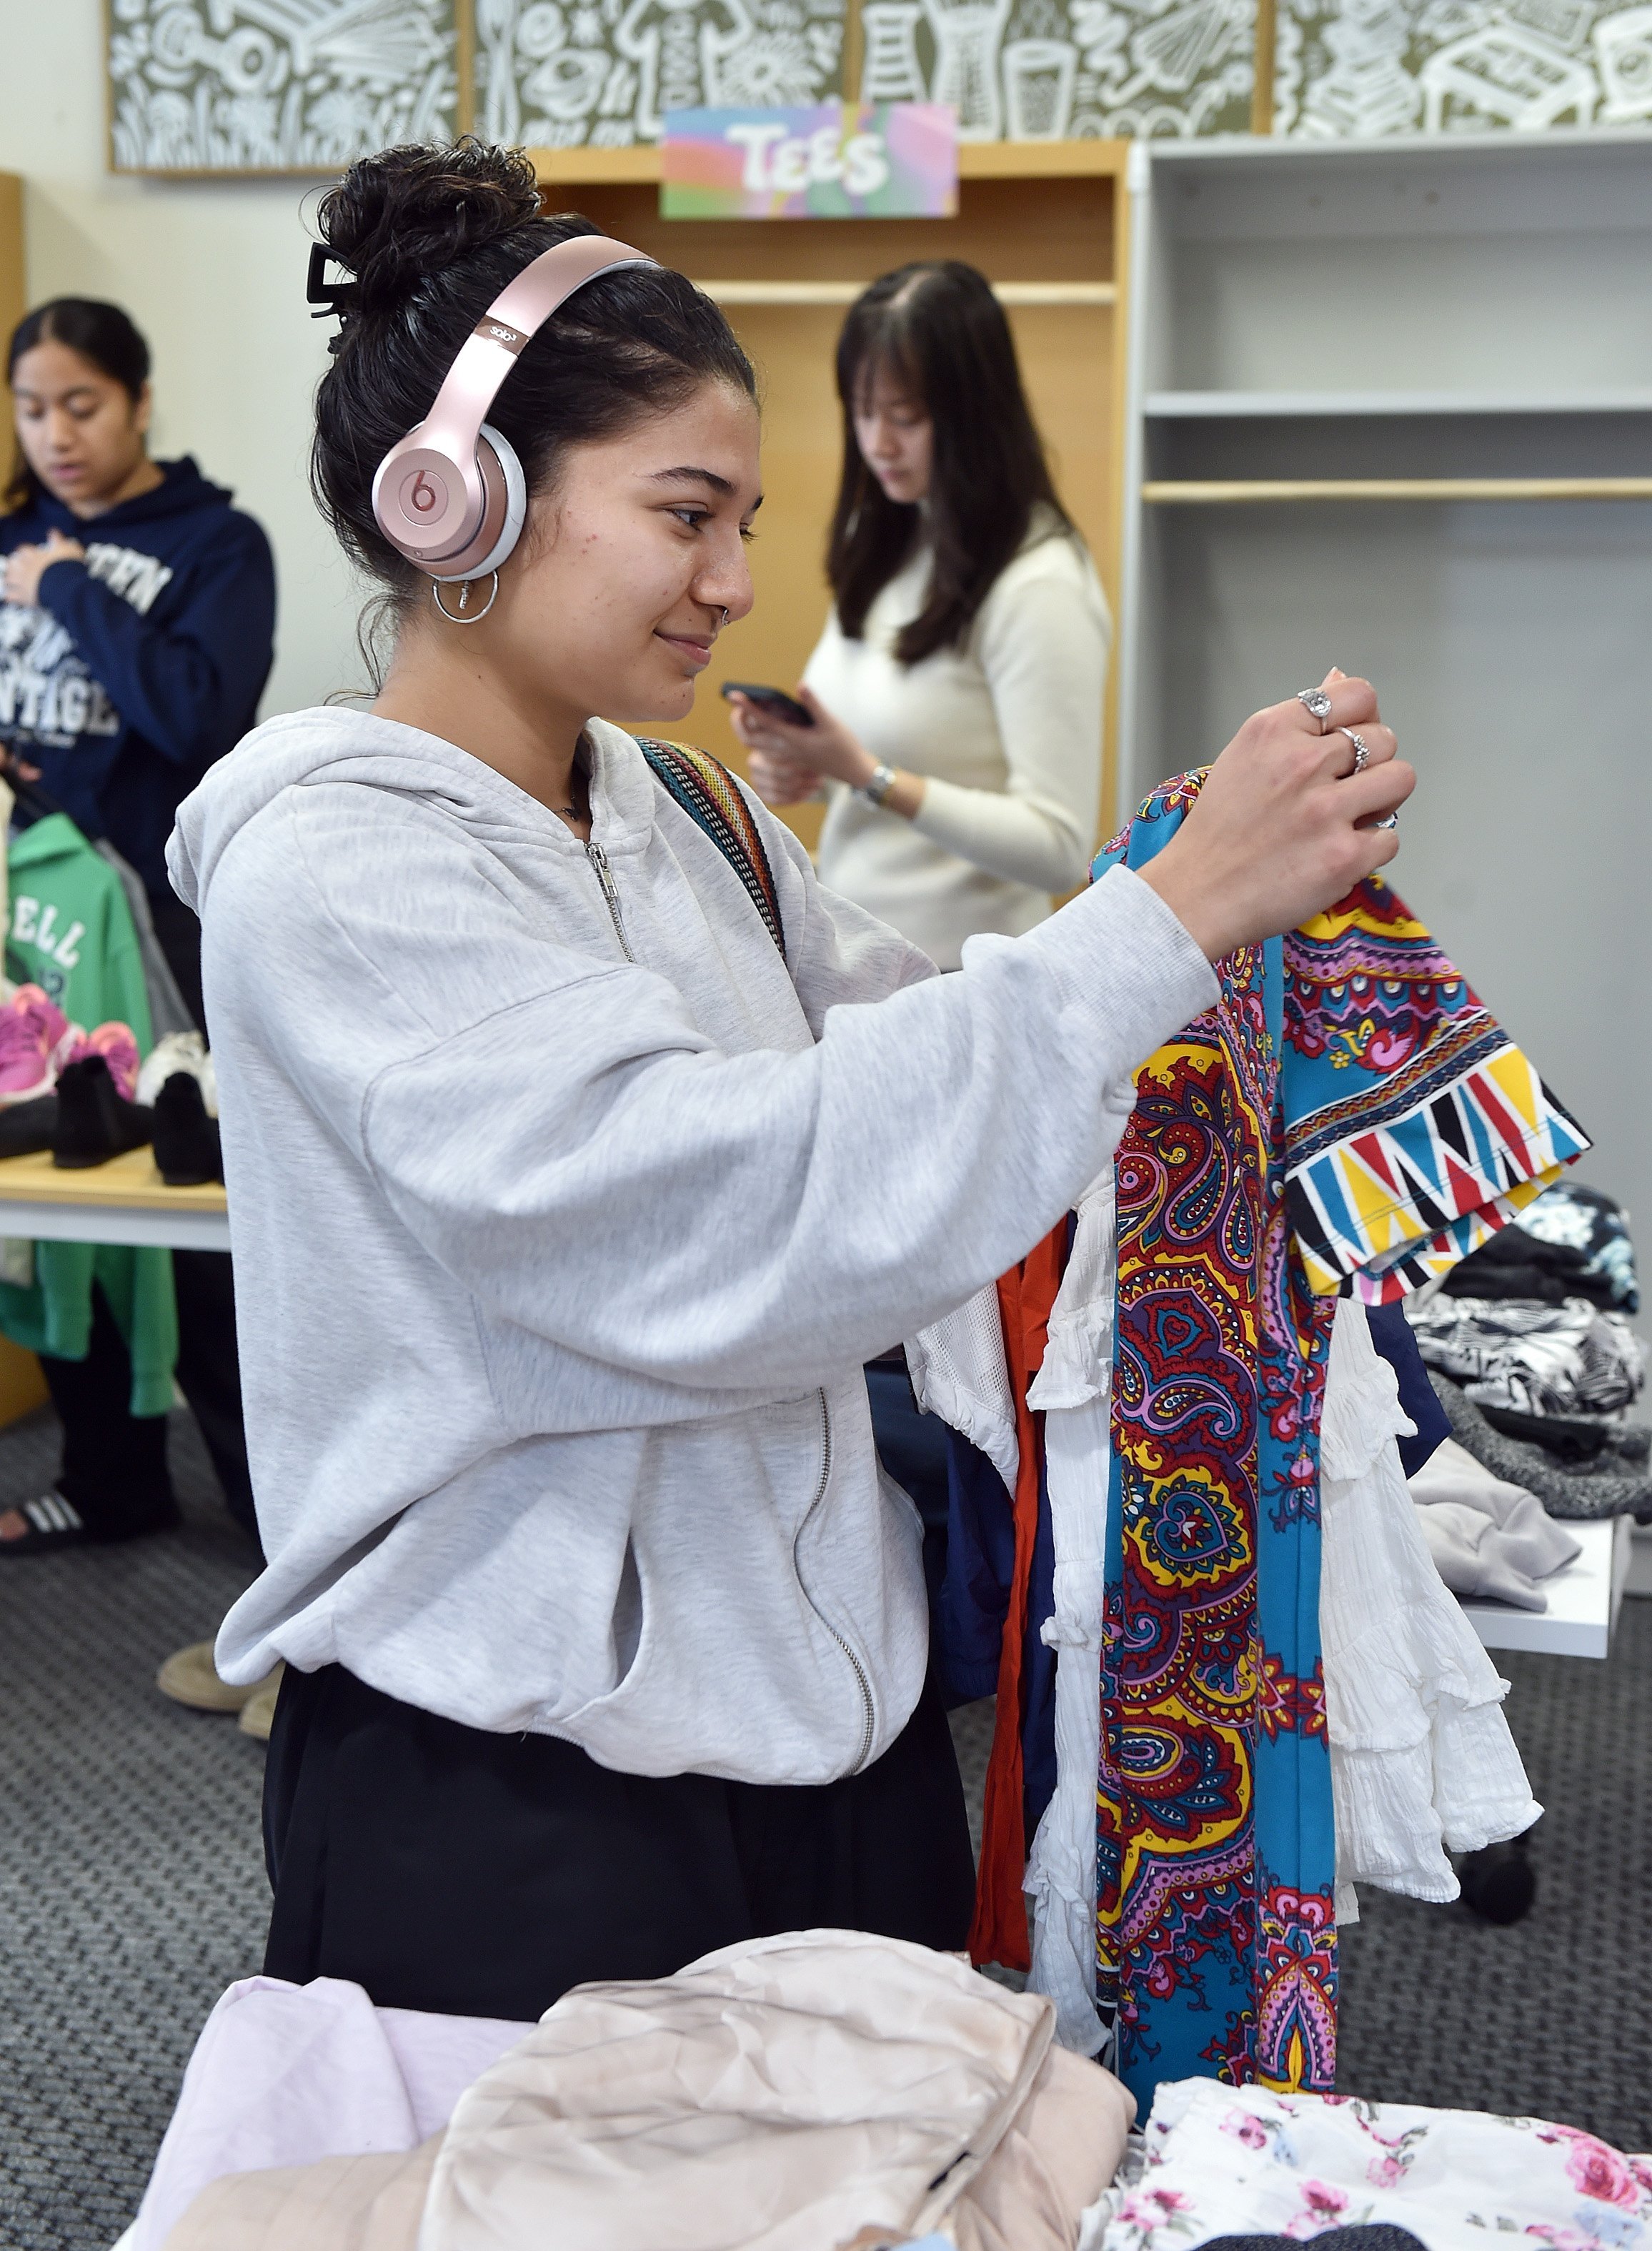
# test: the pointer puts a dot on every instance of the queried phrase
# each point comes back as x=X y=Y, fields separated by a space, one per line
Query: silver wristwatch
x=878 y=784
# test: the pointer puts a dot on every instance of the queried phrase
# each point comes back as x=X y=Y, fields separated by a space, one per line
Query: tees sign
x=831 y=160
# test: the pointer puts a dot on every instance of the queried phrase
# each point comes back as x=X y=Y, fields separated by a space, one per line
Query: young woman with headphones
x=582 y=1148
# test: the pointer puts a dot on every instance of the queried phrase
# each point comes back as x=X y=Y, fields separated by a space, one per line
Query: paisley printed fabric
x=1216 y=1933
x=1345 y=1118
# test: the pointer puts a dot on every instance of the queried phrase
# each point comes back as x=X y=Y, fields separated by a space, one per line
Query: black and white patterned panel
x=1356 y=69
x=1058 y=70
x=276 y=86
x=571 y=73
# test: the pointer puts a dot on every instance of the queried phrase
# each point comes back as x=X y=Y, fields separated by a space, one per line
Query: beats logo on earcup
x=453 y=526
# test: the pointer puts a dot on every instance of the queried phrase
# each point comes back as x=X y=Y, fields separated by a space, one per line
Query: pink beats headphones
x=451 y=496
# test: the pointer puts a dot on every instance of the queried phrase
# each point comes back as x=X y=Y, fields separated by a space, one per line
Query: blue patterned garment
x=1347 y=1118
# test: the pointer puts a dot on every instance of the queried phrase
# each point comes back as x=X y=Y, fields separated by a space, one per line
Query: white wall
x=213 y=274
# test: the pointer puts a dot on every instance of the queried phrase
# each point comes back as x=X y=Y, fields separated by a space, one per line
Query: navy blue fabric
x=980 y=1566
x=1375 y=2235
x=1038 y=1671
x=1391 y=1333
x=142 y=664
x=913 y=1449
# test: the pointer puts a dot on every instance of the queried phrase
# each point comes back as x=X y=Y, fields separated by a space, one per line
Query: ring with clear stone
x=1392 y=821
x=1317 y=702
x=1362 y=750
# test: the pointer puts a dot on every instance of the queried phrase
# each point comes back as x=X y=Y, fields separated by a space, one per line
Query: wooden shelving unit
x=978 y=159
x=13 y=283
x=1044 y=220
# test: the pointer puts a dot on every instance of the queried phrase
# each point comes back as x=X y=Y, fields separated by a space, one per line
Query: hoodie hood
x=183 y=489
x=303 y=749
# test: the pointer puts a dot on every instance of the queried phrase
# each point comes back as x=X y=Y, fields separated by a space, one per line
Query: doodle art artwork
x=275 y=86
x=1353 y=69
x=1060 y=70
x=603 y=72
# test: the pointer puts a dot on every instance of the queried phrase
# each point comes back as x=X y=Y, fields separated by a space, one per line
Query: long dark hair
x=103 y=334
x=431 y=236
x=937 y=328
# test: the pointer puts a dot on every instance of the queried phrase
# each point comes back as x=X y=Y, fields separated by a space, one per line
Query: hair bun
x=400 y=216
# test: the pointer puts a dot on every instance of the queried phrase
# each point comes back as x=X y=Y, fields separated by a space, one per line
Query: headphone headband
x=433 y=495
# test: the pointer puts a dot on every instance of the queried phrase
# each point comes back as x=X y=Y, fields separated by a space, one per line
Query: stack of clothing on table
x=817 y=2091
x=1490 y=1541
x=819 y=2088
x=1530 y=1351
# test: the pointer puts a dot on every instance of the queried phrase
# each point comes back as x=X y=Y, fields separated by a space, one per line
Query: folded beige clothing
x=792 y=2094
x=1488 y=1538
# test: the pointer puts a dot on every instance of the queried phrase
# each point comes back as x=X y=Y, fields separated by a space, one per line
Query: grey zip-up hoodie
x=565 y=1212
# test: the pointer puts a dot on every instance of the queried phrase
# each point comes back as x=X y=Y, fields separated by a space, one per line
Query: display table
x=125 y=1201
x=1584 y=1600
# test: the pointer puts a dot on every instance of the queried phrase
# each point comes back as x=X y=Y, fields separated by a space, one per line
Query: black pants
x=477 y=1874
x=114 y=1470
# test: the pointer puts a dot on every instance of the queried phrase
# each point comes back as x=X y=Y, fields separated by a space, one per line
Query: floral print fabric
x=1219 y=2160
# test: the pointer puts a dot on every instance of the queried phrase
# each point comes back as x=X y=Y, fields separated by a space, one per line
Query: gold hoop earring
x=465 y=585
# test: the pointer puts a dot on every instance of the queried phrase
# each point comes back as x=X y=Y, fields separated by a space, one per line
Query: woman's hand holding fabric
x=27 y=566
x=1283 y=828
x=790 y=763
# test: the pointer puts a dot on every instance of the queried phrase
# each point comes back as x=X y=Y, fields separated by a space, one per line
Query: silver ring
x=1316 y=704
x=1391 y=821
x=1362 y=750
x=474 y=617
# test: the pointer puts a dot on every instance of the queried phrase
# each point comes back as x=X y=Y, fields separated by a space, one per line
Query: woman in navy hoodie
x=136 y=634
x=139 y=620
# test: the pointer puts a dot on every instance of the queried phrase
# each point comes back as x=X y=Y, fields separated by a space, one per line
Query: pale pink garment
x=283 y=2074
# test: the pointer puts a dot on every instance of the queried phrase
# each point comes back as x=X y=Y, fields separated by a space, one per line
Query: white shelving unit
x=1390 y=407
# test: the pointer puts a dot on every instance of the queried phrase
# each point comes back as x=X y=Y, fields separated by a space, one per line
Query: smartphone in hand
x=773 y=700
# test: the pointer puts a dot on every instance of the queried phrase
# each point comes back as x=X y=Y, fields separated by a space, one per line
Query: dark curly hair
x=431 y=237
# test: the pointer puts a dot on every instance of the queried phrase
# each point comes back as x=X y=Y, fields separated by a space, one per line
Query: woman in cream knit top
x=965 y=782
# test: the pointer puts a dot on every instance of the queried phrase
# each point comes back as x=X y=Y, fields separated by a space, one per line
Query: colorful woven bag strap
x=709 y=795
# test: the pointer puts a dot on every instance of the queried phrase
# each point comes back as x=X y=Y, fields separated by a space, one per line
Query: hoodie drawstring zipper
x=868 y=1712
x=598 y=860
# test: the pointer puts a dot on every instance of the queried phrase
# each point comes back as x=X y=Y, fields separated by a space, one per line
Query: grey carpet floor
x=1552 y=2018
x=132 y=1886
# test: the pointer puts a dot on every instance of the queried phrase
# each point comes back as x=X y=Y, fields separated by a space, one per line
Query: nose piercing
x=725 y=617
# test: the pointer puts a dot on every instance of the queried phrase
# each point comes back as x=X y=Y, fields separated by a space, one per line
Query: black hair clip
x=332 y=300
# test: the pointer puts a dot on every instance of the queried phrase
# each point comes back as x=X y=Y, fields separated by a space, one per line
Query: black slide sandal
x=53 y=1522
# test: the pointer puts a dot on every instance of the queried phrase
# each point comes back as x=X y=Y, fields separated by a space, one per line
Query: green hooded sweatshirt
x=72 y=934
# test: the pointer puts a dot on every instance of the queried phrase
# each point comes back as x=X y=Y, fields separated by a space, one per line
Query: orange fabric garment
x=1026 y=1295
